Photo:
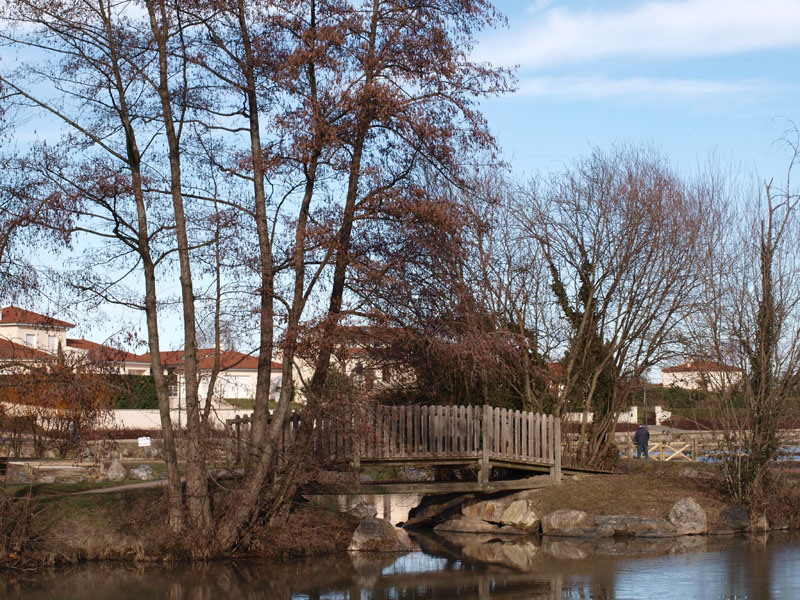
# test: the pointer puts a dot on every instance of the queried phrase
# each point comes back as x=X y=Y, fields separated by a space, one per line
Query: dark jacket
x=642 y=436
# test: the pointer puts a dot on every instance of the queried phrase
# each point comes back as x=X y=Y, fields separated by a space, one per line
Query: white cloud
x=637 y=87
x=538 y=6
x=652 y=29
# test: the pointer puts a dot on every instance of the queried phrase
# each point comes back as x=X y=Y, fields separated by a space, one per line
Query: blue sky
x=690 y=77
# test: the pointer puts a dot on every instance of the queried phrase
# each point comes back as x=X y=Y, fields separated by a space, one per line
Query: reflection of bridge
x=479 y=437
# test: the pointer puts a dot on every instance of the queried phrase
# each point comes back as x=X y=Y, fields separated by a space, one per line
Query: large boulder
x=736 y=517
x=377 y=535
x=142 y=473
x=116 y=472
x=522 y=515
x=688 y=517
x=364 y=510
x=630 y=525
x=562 y=519
x=487 y=510
x=467 y=525
x=667 y=530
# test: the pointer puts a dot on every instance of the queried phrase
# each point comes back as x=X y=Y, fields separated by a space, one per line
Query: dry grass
x=644 y=488
x=310 y=530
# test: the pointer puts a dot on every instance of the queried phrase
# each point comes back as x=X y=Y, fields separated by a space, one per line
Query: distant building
x=29 y=339
x=701 y=374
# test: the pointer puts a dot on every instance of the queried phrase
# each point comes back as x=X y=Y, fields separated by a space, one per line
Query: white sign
x=144 y=441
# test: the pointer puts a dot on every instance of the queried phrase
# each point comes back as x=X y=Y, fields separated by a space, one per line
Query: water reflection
x=465 y=566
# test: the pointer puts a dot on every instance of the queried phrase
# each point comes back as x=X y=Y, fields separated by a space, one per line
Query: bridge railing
x=483 y=433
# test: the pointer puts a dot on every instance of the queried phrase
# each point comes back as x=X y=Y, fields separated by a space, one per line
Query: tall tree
x=751 y=321
x=160 y=100
x=619 y=233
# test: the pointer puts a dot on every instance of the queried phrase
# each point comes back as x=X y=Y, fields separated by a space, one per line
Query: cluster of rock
x=517 y=515
x=377 y=535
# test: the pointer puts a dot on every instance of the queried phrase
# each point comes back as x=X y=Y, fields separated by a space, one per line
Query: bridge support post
x=486 y=443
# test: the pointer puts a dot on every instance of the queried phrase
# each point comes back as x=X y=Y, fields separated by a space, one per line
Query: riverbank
x=131 y=524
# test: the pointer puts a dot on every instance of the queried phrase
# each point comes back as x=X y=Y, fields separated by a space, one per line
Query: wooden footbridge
x=479 y=438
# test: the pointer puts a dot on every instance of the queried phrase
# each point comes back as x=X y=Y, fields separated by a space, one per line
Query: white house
x=31 y=339
x=701 y=374
x=235 y=383
x=26 y=329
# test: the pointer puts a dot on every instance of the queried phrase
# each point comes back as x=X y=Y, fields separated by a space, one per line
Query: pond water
x=466 y=567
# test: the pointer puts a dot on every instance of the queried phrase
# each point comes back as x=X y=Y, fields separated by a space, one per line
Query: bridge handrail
x=407 y=432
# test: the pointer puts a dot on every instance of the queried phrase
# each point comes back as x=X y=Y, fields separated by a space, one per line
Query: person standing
x=642 y=439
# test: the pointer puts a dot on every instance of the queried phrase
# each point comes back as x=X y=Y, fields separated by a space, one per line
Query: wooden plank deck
x=432 y=487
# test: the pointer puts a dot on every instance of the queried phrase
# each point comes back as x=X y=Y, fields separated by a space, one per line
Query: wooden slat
x=394 y=422
x=424 y=430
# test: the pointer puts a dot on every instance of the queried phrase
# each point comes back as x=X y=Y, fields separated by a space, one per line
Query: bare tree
x=619 y=233
x=750 y=322
x=159 y=101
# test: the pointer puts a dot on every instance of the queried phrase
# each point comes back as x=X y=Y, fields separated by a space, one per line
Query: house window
x=52 y=343
x=30 y=339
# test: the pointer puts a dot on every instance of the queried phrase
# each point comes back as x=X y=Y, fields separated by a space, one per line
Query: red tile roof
x=702 y=366
x=100 y=352
x=229 y=359
x=10 y=351
x=15 y=315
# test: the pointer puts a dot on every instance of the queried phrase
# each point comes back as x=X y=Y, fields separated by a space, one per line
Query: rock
x=722 y=530
x=562 y=519
x=667 y=531
x=377 y=535
x=630 y=525
x=47 y=479
x=487 y=510
x=760 y=523
x=116 y=472
x=50 y=454
x=126 y=452
x=695 y=473
x=522 y=515
x=466 y=525
x=142 y=473
x=736 y=517
x=364 y=510
x=601 y=531
x=688 y=517
x=151 y=452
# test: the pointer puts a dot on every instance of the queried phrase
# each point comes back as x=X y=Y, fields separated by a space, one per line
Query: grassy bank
x=62 y=526
x=131 y=525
